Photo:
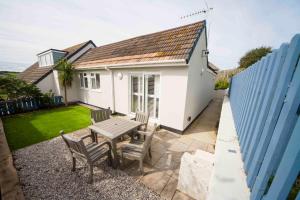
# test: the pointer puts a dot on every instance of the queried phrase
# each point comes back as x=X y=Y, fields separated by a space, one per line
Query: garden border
x=9 y=181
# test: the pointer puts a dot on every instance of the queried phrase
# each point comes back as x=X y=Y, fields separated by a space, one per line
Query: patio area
x=44 y=169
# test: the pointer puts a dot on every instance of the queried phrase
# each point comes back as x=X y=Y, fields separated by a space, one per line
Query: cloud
x=235 y=26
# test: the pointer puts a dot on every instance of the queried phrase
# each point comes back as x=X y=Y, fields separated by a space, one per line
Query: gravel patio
x=44 y=169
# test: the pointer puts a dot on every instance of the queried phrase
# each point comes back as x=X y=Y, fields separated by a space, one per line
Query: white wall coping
x=228 y=179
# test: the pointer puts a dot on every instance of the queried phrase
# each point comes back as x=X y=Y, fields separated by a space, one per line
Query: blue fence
x=265 y=101
x=28 y=104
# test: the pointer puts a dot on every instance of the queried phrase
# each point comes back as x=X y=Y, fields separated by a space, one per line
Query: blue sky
x=31 y=26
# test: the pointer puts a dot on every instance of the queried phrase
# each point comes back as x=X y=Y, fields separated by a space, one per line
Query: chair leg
x=109 y=158
x=141 y=167
x=91 y=174
x=74 y=164
x=150 y=154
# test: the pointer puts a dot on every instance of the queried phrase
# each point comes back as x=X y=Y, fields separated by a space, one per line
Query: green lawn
x=29 y=128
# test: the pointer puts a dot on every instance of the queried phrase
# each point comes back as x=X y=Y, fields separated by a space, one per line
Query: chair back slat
x=100 y=115
x=74 y=145
x=148 y=140
x=142 y=117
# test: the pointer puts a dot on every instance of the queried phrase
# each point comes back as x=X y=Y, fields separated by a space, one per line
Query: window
x=81 y=80
x=145 y=93
x=85 y=80
x=95 y=80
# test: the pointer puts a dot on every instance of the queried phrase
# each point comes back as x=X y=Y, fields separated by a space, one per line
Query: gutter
x=162 y=63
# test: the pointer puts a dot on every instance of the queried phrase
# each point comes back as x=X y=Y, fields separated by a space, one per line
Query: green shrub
x=221 y=84
x=253 y=56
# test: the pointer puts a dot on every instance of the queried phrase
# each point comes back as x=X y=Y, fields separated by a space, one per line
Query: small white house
x=165 y=74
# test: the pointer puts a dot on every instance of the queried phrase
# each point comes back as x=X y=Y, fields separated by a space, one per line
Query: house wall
x=47 y=84
x=51 y=81
x=101 y=98
x=200 y=87
x=173 y=85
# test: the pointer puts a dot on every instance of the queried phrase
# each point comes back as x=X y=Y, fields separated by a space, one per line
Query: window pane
x=81 y=79
x=97 y=81
x=134 y=83
x=93 y=80
x=134 y=103
x=150 y=84
x=86 y=83
x=157 y=84
x=157 y=108
x=151 y=106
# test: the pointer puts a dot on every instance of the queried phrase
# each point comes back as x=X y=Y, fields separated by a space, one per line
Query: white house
x=164 y=73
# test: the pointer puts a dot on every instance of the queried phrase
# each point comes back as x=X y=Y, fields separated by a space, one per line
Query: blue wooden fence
x=28 y=104
x=265 y=101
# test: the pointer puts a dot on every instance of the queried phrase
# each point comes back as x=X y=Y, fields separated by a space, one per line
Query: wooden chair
x=135 y=151
x=143 y=118
x=91 y=152
x=99 y=115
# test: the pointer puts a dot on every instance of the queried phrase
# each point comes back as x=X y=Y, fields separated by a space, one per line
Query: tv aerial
x=203 y=11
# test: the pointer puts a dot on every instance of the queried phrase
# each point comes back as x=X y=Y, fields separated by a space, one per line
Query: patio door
x=145 y=94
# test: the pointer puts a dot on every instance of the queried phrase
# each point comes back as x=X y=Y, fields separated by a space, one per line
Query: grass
x=30 y=128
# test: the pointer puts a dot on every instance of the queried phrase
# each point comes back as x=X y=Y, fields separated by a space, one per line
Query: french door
x=145 y=93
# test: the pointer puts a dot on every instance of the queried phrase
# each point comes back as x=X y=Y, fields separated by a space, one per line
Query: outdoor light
x=120 y=76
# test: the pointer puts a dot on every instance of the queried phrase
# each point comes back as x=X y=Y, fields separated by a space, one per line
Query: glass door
x=137 y=93
x=152 y=94
x=145 y=94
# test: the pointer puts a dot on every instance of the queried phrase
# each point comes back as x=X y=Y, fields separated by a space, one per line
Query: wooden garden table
x=112 y=129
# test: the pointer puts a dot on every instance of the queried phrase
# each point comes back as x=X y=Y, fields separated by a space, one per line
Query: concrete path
x=161 y=173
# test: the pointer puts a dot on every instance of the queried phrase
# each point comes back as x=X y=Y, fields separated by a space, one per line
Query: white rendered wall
x=200 y=86
x=173 y=84
x=47 y=84
x=101 y=98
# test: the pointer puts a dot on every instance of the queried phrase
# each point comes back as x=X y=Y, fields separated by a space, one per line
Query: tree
x=66 y=72
x=14 y=88
x=253 y=56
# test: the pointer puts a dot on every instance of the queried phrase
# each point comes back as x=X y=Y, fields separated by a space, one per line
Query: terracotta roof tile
x=176 y=43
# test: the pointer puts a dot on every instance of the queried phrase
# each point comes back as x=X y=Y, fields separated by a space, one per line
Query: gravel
x=45 y=172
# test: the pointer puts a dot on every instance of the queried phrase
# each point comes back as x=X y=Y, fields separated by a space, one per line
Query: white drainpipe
x=112 y=89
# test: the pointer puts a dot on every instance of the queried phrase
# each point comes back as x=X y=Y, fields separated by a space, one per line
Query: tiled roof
x=34 y=73
x=172 y=44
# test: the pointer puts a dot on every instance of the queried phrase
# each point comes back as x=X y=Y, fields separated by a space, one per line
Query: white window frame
x=81 y=79
x=143 y=74
x=86 y=75
x=93 y=75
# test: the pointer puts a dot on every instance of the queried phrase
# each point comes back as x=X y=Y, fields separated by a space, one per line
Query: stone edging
x=228 y=179
x=9 y=181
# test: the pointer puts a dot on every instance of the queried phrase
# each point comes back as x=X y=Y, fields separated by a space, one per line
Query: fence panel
x=27 y=104
x=264 y=100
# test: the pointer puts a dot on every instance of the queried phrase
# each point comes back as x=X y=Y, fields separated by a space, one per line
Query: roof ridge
x=148 y=34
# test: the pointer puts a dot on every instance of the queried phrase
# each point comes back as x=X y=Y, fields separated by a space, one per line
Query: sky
x=234 y=26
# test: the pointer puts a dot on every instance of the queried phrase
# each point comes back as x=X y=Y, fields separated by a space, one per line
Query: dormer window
x=50 y=57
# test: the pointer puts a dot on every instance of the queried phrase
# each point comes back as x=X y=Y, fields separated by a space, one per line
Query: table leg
x=114 y=153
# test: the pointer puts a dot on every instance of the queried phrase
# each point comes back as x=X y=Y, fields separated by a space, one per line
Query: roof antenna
x=203 y=11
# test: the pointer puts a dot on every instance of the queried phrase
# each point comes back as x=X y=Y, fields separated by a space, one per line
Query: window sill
x=96 y=90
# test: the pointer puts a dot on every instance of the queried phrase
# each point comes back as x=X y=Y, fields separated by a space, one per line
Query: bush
x=13 y=88
x=221 y=84
x=253 y=56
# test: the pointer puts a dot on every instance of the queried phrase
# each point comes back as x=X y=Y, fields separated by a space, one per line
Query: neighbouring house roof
x=34 y=73
x=173 y=44
x=213 y=67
